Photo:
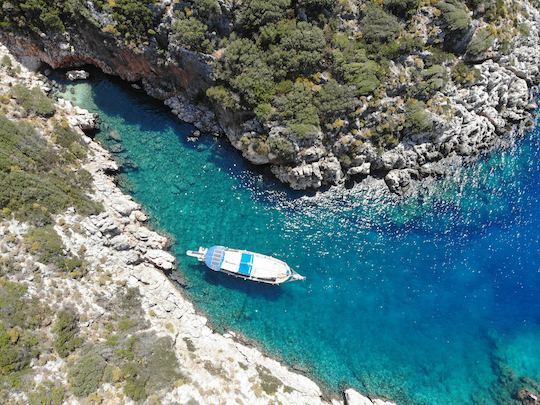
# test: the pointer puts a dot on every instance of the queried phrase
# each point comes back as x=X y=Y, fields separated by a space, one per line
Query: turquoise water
x=430 y=300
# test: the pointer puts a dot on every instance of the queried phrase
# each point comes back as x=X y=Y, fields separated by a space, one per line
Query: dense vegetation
x=38 y=178
x=311 y=72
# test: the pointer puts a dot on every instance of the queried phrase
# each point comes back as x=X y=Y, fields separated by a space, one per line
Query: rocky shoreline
x=121 y=252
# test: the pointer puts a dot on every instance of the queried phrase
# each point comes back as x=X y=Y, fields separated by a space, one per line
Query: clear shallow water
x=431 y=300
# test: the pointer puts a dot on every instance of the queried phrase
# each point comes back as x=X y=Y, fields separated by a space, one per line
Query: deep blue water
x=429 y=300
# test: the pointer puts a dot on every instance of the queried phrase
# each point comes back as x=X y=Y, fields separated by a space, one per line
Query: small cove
x=429 y=300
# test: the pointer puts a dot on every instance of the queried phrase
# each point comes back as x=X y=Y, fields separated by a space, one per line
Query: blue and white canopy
x=247 y=264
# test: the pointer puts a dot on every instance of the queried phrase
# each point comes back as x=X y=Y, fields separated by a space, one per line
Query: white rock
x=160 y=258
x=77 y=75
x=352 y=397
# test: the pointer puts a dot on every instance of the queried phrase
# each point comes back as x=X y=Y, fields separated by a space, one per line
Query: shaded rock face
x=185 y=72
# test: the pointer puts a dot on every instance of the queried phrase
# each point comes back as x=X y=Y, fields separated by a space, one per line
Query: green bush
x=66 y=331
x=70 y=140
x=17 y=348
x=417 y=119
x=45 y=244
x=35 y=15
x=317 y=5
x=482 y=40
x=244 y=68
x=6 y=62
x=47 y=394
x=257 y=13
x=206 y=8
x=432 y=80
x=134 y=18
x=19 y=316
x=335 y=99
x=191 y=33
x=402 y=8
x=282 y=148
x=455 y=15
x=297 y=49
x=297 y=106
x=304 y=132
x=36 y=181
x=85 y=375
x=223 y=97
x=363 y=75
x=33 y=100
x=378 y=25
x=18 y=311
x=463 y=74
x=134 y=387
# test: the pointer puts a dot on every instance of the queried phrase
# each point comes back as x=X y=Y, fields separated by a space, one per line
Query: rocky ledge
x=121 y=253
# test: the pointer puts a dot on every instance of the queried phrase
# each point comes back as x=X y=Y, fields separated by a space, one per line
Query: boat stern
x=198 y=254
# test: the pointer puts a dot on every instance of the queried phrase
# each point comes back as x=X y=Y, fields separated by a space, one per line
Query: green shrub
x=297 y=49
x=6 y=61
x=335 y=99
x=70 y=140
x=133 y=18
x=463 y=74
x=206 y=8
x=33 y=100
x=191 y=33
x=378 y=25
x=66 y=330
x=482 y=40
x=257 y=13
x=244 y=68
x=417 y=119
x=85 y=375
x=19 y=316
x=363 y=75
x=455 y=15
x=282 y=148
x=402 y=8
x=134 y=387
x=47 y=394
x=317 y=5
x=264 y=111
x=223 y=97
x=36 y=181
x=18 y=311
x=17 y=348
x=45 y=244
x=304 y=132
x=297 y=106
x=432 y=80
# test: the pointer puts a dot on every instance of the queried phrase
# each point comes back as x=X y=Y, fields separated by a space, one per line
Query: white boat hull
x=246 y=265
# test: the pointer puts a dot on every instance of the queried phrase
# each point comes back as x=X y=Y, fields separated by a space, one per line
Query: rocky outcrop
x=326 y=171
x=199 y=115
x=469 y=119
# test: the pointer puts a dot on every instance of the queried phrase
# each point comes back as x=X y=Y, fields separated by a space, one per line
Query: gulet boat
x=246 y=265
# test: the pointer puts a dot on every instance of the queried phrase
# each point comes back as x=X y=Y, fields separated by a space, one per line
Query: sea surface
x=429 y=300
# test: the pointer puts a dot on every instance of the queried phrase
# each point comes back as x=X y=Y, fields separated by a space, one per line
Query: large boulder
x=352 y=397
x=398 y=181
x=326 y=171
x=160 y=259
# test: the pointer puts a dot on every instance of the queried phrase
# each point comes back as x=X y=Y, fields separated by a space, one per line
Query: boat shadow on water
x=249 y=288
